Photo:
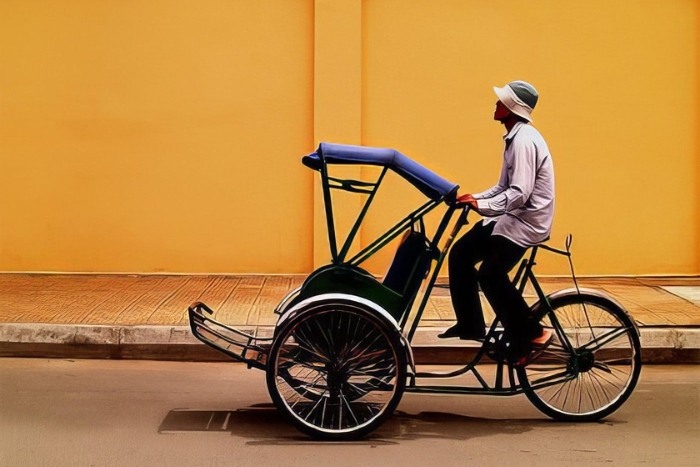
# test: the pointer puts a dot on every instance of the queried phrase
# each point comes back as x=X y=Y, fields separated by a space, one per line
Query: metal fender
x=587 y=291
x=329 y=297
x=281 y=308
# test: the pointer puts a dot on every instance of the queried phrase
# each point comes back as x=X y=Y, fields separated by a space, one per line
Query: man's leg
x=504 y=297
x=464 y=286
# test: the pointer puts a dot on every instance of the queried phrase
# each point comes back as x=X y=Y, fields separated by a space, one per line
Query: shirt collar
x=513 y=131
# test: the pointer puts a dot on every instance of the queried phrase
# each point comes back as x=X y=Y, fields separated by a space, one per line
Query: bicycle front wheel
x=337 y=370
x=593 y=364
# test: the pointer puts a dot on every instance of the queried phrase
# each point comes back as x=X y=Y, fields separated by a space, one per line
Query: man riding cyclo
x=518 y=213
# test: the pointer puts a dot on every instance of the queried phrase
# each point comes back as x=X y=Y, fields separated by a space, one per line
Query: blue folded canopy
x=429 y=183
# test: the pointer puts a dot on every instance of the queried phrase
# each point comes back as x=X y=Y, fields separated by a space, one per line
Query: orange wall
x=166 y=135
x=618 y=108
x=160 y=135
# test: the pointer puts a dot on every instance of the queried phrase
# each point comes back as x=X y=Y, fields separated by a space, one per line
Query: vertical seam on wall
x=363 y=171
x=313 y=136
x=697 y=137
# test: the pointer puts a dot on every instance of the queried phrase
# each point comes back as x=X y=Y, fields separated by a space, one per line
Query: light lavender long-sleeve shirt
x=522 y=203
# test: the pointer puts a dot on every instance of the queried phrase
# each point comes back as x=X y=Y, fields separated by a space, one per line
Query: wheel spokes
x=351 y=377
x=596 y=357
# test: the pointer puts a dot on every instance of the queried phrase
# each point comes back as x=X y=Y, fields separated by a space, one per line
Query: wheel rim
x=336 y=370
x=590 y=367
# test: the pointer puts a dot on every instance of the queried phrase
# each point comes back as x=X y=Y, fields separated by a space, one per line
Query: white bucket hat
x=519 y=97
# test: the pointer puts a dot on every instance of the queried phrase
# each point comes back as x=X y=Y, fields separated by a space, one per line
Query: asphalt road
x=130 y=413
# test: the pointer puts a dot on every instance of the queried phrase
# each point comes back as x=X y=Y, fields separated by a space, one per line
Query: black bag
x=411 y=263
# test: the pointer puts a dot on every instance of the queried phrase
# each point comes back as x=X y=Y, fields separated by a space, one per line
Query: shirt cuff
x=486 y=208
x=482 y=204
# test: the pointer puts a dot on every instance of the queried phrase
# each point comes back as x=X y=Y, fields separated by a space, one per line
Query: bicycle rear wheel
x=593 y=364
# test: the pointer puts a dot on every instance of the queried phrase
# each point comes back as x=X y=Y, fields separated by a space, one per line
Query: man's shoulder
x=529 y=134
x=529 y=131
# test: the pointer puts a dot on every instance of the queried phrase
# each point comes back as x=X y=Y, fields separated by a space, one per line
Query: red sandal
x=536 y=347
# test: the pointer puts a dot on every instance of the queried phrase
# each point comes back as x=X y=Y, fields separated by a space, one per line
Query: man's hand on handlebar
x=468 y=199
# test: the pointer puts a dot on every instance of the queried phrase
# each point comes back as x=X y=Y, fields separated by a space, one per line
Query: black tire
x=337 y=370
x=594 y=375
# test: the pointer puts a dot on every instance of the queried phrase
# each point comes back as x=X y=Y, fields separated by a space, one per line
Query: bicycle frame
x=523 y=275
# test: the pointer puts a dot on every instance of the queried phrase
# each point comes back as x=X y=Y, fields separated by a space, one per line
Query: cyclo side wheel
x=337 y=370
x=593 y=364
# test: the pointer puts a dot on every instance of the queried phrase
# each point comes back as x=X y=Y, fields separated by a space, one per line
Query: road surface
x=107 y=413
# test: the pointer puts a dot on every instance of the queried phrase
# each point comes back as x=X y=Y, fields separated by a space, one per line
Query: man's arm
x=523 y=168
x=500 y=187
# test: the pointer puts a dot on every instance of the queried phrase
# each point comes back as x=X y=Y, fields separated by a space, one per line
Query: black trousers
x=498 y=255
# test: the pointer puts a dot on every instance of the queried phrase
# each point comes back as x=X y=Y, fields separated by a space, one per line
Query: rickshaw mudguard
x=287 y=301
x=353 y=281
x=584 y=291
x=303 y=305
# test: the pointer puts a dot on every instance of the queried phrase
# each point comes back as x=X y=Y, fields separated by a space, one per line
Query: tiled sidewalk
x=249 y=300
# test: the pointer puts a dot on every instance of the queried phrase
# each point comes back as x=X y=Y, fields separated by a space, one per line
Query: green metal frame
x=339 y=257
x=344 y=275
x=523 y=275
x=369 y=188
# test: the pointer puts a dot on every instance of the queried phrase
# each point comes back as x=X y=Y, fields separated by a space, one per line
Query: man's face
x=501 y=111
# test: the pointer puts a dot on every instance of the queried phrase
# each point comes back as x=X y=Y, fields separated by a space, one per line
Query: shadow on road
x=264 y=425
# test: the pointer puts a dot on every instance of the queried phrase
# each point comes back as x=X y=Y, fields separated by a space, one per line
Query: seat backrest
x=410 y=264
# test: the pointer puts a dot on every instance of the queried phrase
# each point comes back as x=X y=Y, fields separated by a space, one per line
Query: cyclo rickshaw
x=340 y=357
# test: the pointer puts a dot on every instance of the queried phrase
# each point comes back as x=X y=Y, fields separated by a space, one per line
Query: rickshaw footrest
x=237 y=344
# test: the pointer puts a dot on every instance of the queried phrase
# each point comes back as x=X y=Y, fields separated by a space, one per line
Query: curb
x=660 y=344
